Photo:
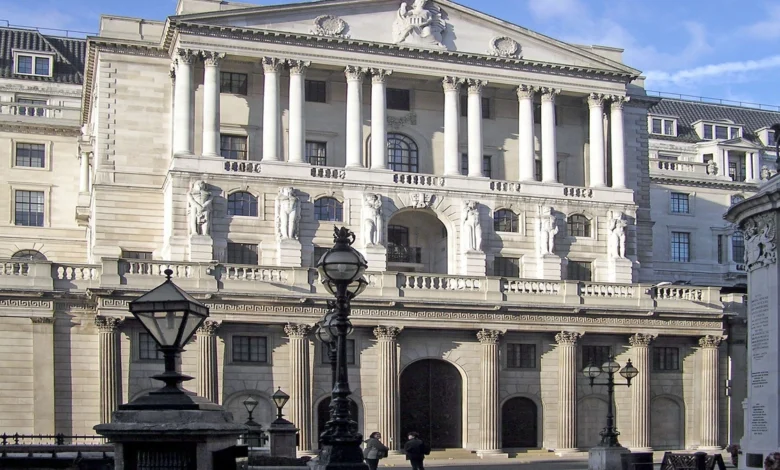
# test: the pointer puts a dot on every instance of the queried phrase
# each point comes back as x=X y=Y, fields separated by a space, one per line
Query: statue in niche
x=199 y=208
x=712 y=168
x=547 y=228
x=372 y=219
x=471 y=232
x=422 y=24
x=617 y=234
x=288 y=214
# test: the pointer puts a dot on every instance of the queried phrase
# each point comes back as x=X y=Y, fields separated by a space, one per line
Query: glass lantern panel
x=591 y=371
x=192 y=323
x=163 y=326
x=610 y=366
x=342 y=265
x=280 y=398
x=629 y=372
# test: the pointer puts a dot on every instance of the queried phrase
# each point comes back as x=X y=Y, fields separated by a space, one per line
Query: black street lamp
x=256 y=436
x=609 y=436
x=341 y=269
x=327 y=334
x=280 y=399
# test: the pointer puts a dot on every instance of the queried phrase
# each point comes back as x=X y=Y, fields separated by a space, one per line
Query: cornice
x=715 y=184
x=40 y=129
x=52 y=90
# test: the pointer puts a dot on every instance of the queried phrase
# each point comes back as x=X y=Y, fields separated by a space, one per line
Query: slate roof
x=69 y=54
x=689 y=112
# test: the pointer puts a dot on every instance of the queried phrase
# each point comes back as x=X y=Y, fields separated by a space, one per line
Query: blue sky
x=724 y=49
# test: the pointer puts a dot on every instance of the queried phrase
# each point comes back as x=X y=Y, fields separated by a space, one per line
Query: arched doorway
x=323 y=414
x=417 y=242
x=519 y=423
x=591 y=416
x=432 y=403
x=666 y=424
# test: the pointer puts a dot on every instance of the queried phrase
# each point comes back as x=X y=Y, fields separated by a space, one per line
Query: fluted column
x=489 y=432
x=597 y=160
x=183 y=121
x=525 y=133
x=451 y=125
x=300 y=385
x=710 y=389
x=379 y=118
x=549 y=148
x=297 y=125
x=475 y=127
x=618 y=145
x=211 y=121
x=387 y=405
x=84 y=172
x=271 y=116
x=640 y=391
x=567 y=391
x=110 y=366
x=354 y=116
x=208 y=377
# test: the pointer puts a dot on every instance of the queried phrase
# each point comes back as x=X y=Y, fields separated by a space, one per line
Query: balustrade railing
x=520 y=286
x=676 y=167
x=35 y=110
x=82 y=272
x=14 y=268
x=439 y=282
x=242 y=166
x=157 y=268
x=414 y=179
x=505 y=186
x=614 y=291
x=255 y=273
x=578 y=192
x=328 y=172
x=695 y=294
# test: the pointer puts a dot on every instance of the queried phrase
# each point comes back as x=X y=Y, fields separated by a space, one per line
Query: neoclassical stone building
x=498 y=183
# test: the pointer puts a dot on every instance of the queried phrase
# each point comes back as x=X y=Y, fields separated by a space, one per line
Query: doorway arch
x=323 y=414
x=519 y=423
x=432 y=403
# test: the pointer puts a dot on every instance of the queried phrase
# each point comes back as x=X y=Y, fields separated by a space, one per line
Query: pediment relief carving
x=330 y=26
x=422 y=23
x=502 y=46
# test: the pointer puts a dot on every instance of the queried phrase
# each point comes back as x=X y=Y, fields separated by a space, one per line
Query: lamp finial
x=168 y=273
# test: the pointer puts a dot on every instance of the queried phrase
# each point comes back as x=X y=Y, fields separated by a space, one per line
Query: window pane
x=596 y=355
x=666 y=358
x=735 y=132
x=505 y=221
x=235 y=83
x=136 y=254
x=680 y=203
x=398 y=99
x=770 y=138
x=319 y=252
x=721 y=132
x=487 y=166
x=579 y=271
x=464 y=164
x=486 y=108
x=31 y=155
x=521 y=356
x=578 y=225
x=28 y=208
x=315 y=91
x=506 y=267
x=242 y=253
x=328 y=209
x=708 y=131
x=42 y=66
x=738 y=247
x=24 y=64
x=316 y=153
x=681 y=244
x=401 y=153
x=668 y=127
x=250 y=349
x=233 y=147
x=147 y=347
x=242 y=203
x=656 y=126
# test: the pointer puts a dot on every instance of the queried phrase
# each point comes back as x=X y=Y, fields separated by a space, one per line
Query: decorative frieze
x=25 y=303
x=420 y=22
x=42 y=320
x=397 y=122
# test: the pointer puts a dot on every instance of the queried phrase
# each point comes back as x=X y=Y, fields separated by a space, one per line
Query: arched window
x=328 y=209
x=29 y=255
x=242 y=203
x=578 y=226
x=505 y=220
x=738 y=247
x=402 y=153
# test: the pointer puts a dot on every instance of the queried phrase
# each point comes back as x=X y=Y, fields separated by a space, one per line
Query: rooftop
x=69 y=54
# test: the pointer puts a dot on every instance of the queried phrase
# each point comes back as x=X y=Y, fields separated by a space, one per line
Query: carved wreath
x=760 y=241
x=329 y=25
x=503 y=46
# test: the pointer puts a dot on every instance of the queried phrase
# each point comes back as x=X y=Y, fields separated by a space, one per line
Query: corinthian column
x=618 y=145
x=354 y=116
x=110 y=366
x=300 y=385
x=379 y=119
x=489 y=433
x=549 y=148
x=597 y=160
x=211 y=121
x=388 y=385
x=451 y=124
x=182 y=105
x=567 y=391
x=640 y=391
x=208 y=377
x=525 y=133
x=710 y=435
x=271 y=116
x=475 y=127
x=297 y=125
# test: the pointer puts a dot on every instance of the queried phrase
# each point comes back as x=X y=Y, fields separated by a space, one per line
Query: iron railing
x=403 y=254
x=49 y=439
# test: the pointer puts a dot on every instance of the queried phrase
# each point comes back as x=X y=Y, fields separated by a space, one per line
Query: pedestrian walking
x=416 y=450
x=772 y=461
x=374 y=450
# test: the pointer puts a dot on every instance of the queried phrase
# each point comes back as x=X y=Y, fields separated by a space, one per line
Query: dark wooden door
x=431 y=403
x=323 y=414
x=519 y=423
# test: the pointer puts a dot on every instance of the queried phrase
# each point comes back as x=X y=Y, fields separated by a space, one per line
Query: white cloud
x=727 y=70
x=766 y=28
x=566 y=10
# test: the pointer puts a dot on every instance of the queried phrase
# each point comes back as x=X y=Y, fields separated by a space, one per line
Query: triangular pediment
x=441 y=24
x=740 y=142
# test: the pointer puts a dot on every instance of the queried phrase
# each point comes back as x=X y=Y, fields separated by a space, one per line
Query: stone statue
x=766 y=173
x=422 y=24
x=372 y=219
x=471 y=233
x=712 y=168
x=199 y=208
x=547 y=228
x=288 y=214
x=617 y=234
x=760 y=243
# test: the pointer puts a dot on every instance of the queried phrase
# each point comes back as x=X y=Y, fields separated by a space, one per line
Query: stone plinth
x=473 y=263
x=619 y=270
x=606 y=458
x=282 y=435
x=376 y=256
x=548 y=267
x=201 y=248
x=289 y=253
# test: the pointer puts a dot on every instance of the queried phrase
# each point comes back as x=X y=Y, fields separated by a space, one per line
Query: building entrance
x=519 y=423
x=432 y=403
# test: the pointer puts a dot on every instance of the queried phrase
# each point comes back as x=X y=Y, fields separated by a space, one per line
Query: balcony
x=404 y=254
x=39 y=113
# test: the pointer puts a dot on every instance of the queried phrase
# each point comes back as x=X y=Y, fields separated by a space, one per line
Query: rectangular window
x=464 y=106
x=666 y=359
x=398 y=99
x=28 y=64
x=770 y=138
x=662 y=126
x=147 y=347
x=668 y=158
x=708 y=131
x=136 y=254
x=250 y=349
x=521 y=356
x=680 y=203
x=720 y=249
x=506 y=267
x=487 y=166
x=538 y=114
x=31 y=155
x=579 y=271
x=738 y=247
x=319 y=251
x=28 y=107
x=24 y=64
x=486 y=109
x=315 y=91
x=668 y=127
x=595 y=355
x=681 y=247
x=317 y=153
x=28 y=210
x=233 y=147
x=242 y=253
x=351 y=357
x=734 y=132
x=231 y=82
x=42 y=66
x=721 y=132
x=538 y=170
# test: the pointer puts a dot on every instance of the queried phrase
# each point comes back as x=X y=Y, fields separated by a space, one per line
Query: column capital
x=208 y=328
x=596 y=100
x=379 y=75
x=107 y=324
x=271 y=64
x=186 y=56
x=567 y=337
x=641 y=339
x=617 y=101
x=298 y=67
x=354 y=73
x=548 y=94
x=526 y=92
x=451 y=83
x=710 y=341
x=476 y=86
x=297 y=331
x=387 y=332
x=211 y=58
x=488 y=336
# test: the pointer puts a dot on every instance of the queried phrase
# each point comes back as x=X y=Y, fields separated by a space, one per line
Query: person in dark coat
x=416 y=450
x=374 y=450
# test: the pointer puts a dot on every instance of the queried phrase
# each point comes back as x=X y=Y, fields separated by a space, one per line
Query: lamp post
x=280 y=399
x=609 y=436
x=255 y=437
x=341 y=269
x=327 y=334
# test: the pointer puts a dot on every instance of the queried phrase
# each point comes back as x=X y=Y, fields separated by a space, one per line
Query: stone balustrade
x=682 y=169
x=25 y=111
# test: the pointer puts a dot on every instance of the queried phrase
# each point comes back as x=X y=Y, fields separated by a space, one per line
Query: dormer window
x=32 y=64
x=663 y=126
x=770 y=137
x=718 y=132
